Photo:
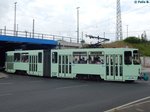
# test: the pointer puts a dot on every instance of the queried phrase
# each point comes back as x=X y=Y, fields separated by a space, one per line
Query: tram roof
x=94 y=49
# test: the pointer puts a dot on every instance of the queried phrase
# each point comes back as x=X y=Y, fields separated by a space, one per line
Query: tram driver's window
x=136 y=57
x=54 y=57
x=128 y=57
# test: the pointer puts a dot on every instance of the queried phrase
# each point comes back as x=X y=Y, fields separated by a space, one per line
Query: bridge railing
x=27 y=34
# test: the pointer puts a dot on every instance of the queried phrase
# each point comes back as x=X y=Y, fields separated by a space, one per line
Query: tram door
x=32 y=64
x=114 y=67
x=64 y=67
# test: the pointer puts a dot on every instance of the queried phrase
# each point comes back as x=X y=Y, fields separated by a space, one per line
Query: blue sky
x=59 y=17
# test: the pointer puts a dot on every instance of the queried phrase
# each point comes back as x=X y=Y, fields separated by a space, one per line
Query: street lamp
x=78 y=24
x=127 y=31
x=15 y=19
x=33 y=29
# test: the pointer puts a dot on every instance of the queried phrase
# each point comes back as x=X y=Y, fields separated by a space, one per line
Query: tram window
x=128 y=57
x=59 y=59
x=70 y=59
x=116 y=60
x=66 y=59
x=16 y=57
x=63 y=59
x=80 y=57
x=35 y=59
x=116 y=70
x=59 y=63
x=111 y=60
x=39 y=57
x=107 y=60
x=121 y=71
x=96 y=58
x=54 y=57
x=24 y=57
x=136 y=57
x=120 y=59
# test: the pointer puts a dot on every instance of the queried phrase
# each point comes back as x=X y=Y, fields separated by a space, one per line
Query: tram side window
x=111 y=60
x=24 y=57
x=136 y=57
x=54 y=57
x=39 y=57
x=107 y=60
x=128 y=57
x=120 y=59
x=80 y=57
x=17 y=57
x=96 y=58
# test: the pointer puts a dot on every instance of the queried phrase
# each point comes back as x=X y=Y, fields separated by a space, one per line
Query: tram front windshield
x=132 y=58
x=136 y=57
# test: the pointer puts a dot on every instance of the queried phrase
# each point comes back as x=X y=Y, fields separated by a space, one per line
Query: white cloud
x=59 y=16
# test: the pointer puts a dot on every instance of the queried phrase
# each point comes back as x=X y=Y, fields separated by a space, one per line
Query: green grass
x=144 y=48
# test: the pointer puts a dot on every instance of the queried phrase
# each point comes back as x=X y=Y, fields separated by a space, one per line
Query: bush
x=134 y=40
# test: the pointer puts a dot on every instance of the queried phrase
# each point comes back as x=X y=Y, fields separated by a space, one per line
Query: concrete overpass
x=10 y=40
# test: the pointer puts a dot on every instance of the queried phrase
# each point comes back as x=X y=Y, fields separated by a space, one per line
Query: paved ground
x=141 y=105
x=34 y=94
x=3 y=75
x=70 y=95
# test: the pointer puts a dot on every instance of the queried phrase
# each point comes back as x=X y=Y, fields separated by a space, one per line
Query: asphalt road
x=35 y=94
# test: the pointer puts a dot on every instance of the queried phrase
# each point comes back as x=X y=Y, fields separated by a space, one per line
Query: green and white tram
x=112 y=64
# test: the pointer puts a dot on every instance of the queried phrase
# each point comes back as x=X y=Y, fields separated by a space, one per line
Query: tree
x=132 y=40
x=144 y=36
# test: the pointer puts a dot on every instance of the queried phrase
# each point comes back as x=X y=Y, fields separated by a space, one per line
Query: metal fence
x=27 y=34
x=145 y=61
